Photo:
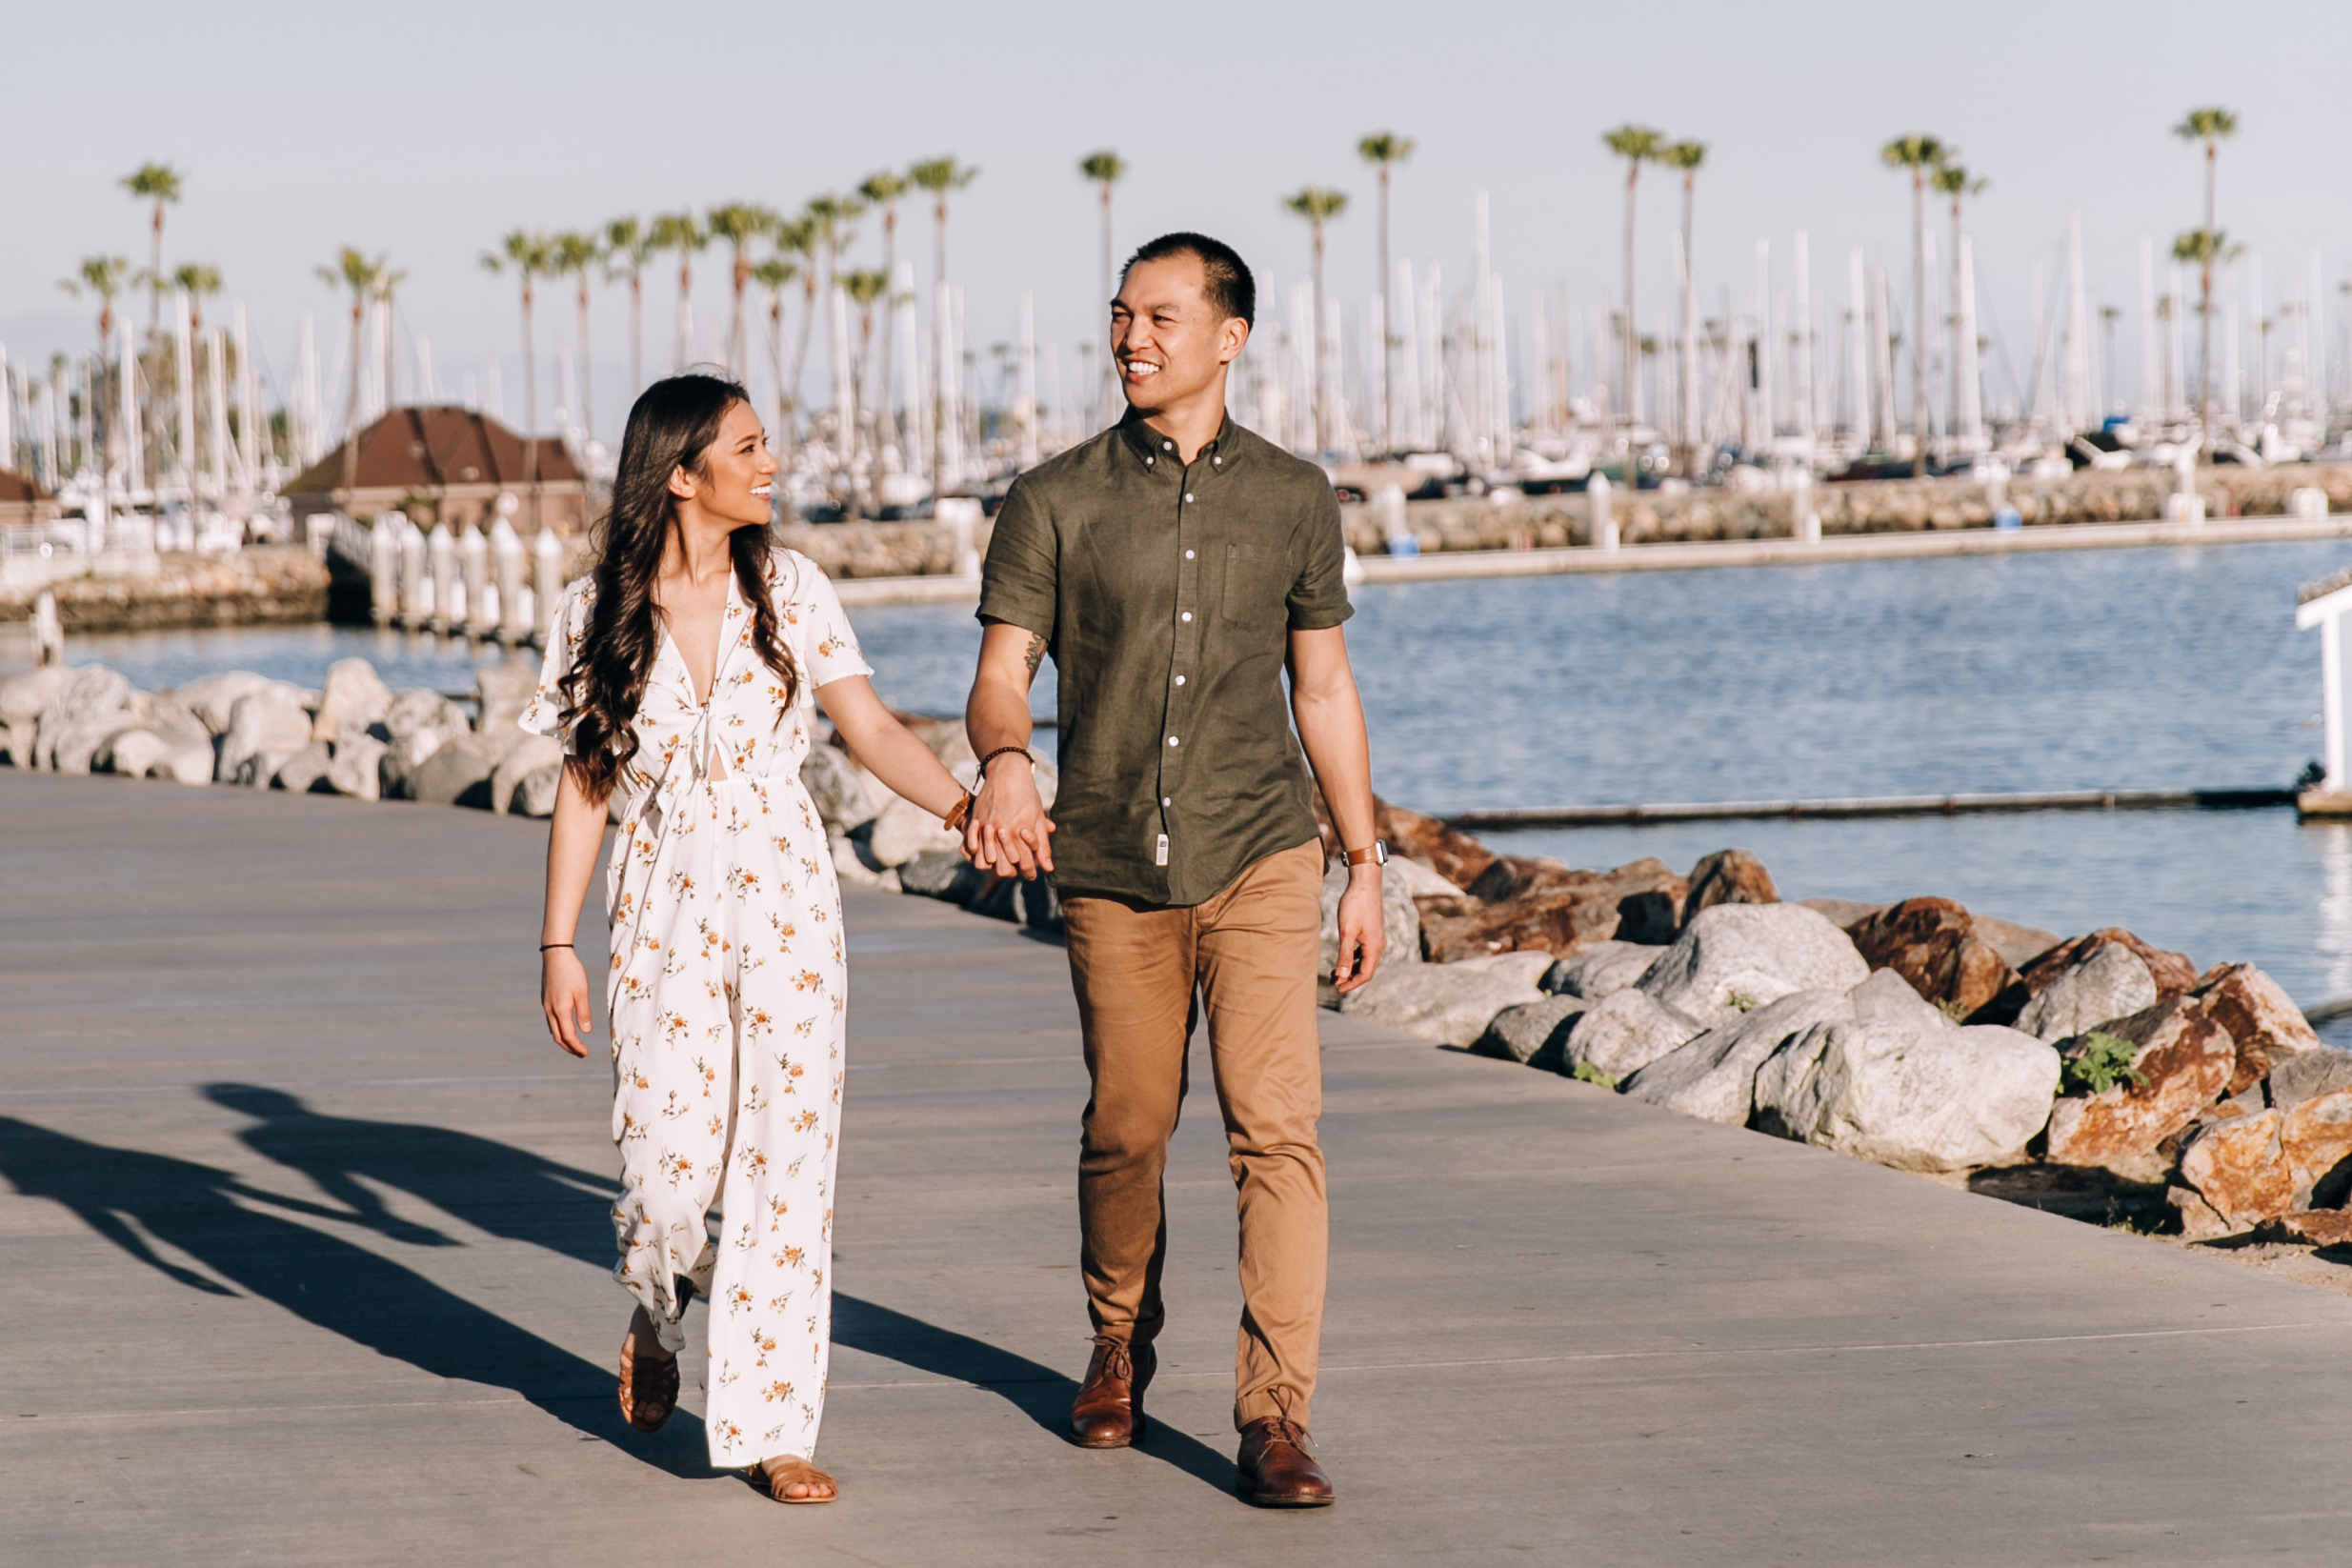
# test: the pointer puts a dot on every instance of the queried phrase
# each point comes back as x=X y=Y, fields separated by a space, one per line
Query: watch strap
x=1375 y=854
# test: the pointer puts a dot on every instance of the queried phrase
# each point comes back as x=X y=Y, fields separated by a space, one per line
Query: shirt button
x=1188 y=554
x=1188 y=497
x=1172 y=740
x=1166 y=800
x=1187 y=615
x=1180 y=681
x=1167 y=446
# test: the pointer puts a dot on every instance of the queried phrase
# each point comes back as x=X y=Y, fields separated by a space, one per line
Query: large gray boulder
x=1887 y=997
x=354 y=694
x=846 y=796
x=942 y=874
x=417 y=724
x=2308 y=1075
x=1919 y=1099
x=357 y=766
x=190 y=754
x=535 y=794
x=503 y=690
x=22 y=698
x=129 y=752
x=1522 y=1033
x=457 y=774
x=1733 y=958
x=1451 y=1003
x=1713 y=1076
x=1624 y=1033
x=213 y=698
x=1400 y=920
x=528 y=757
x=305 y=773
x=2114 y=982
x=91 y=704
x=1601 y=969
x=266 y=726
x=903 y=830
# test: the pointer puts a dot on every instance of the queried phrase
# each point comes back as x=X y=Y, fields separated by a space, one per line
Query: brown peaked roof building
x=23 y=500
x=450 y=461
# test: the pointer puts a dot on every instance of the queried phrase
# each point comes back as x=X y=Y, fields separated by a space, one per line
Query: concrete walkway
x=309 y=1239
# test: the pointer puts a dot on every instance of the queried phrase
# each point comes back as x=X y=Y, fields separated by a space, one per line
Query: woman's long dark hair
x=670 y=427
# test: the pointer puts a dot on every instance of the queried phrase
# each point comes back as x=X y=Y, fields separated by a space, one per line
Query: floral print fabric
x=727 y=994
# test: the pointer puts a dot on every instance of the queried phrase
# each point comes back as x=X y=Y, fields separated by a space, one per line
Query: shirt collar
x=1146 y=442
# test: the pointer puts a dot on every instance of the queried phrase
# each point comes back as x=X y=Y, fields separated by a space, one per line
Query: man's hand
x=1363 y=936
x=1008 y=832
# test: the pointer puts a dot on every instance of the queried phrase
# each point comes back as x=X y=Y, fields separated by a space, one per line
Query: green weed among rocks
x=2098 y=1062
x=1587 y=1073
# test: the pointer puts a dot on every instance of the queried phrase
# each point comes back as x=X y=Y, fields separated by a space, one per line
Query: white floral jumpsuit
x=727 y=1002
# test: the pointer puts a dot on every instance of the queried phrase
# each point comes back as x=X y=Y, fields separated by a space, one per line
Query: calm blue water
x=2124 y=669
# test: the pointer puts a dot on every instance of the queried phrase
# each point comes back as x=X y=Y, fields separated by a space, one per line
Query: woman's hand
x=1008 y=832
x=563 y=997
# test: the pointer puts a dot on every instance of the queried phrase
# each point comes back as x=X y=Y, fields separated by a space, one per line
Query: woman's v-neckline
x=701 y=702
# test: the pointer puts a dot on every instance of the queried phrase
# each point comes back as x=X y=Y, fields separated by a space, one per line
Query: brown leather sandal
x=775 y=1475
x=649 y=1389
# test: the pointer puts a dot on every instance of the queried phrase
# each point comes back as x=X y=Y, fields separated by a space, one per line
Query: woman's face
x=736 y=482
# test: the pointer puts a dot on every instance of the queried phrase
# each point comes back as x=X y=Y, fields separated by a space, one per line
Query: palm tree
x=530 y=257
x=625 y=239
x=1105 y=169
x=863 y=288
x=881 y=189
x=828 y=218
x=1637 y=145
x=739 y=224
x=1380 y=150
x=103 y=276
x=941 y=177
x=1921 y=155
x=1318 y=205
x=1952 y=179
x=157 y=184
x=684 y=233
x=2209 y=125
x=195 y=279
x=1689 y=157
x=353 y=270
x=576 y=254
x=772 y=274
x=797 y=237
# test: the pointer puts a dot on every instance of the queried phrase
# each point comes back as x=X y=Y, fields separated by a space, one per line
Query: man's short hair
x=1225 y=280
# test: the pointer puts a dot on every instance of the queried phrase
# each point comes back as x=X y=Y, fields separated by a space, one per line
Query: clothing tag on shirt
x=1161 y=858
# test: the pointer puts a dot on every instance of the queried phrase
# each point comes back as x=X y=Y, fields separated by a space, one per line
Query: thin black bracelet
x=546 y=947
x=982 y=778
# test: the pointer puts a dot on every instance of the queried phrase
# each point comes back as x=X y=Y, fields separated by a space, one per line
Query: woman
x=680 y=672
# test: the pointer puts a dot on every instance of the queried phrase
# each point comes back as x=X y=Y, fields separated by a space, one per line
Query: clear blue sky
x=427 y=130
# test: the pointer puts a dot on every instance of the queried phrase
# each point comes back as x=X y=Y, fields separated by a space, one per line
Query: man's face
x=1168 y=341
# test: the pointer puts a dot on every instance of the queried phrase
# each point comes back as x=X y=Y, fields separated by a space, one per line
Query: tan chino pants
x=1250 y=953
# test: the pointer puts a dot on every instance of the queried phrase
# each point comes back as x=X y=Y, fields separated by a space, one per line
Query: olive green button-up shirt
x=1166 y=594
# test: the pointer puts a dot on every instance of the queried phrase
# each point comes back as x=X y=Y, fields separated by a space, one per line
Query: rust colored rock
x=2237 y=1166
x=1452 y=854
x=1728 y=876
x=1513 y=876
x=2175 y=976
x=2316 y=1139
x=1571 y=911
x=2184 y=1060
x=2322 y=1227
x=2268 y=1027
x=1933 y=943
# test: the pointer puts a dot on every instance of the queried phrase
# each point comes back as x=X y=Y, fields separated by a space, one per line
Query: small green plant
x=1739 y=1001
x=1953 y=1011
x=1587 y=1073
x=2098 y=1062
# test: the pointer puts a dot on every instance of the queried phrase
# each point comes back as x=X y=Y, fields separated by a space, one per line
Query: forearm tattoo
x=1035 y=655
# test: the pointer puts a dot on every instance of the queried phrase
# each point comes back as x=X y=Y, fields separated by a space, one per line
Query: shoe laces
x=1282 y=1429
x=1118 y=1358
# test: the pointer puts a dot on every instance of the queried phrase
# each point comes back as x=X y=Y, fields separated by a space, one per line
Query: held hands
x=563 y=997
x=1363 y=936
x=1007 y=833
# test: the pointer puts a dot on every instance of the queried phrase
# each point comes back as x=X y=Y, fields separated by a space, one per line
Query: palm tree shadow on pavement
x=228 y=1227
x=1036 y=1390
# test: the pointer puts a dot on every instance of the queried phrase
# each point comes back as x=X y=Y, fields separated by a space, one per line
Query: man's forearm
x=1331 y=730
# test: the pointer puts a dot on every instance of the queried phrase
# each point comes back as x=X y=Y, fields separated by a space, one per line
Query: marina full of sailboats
x=187 y=435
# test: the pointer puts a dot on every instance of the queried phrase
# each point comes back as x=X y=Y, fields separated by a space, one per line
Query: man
x=1174 y=567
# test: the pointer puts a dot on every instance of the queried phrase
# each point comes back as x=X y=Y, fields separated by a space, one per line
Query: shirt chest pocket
x=1255 y=585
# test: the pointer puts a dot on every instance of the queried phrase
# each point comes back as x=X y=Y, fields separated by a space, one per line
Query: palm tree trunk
x=1919 y=319
x=1110 y=369
x=775 y=356
x=1388 y=336
x=2204 y=324
x=531 y=411
x=154 y=275
x=800 y=348
x=1952 y=417
x=351 y=406
x=1315 y=324
x=887 y=415
x=737 y=362
x=1625 y=388
x=1683 y=416
x=686 y=307
x=636 y=331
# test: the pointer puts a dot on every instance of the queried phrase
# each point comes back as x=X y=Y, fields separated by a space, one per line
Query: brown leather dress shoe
x=1276 y=1469
x=1108 y=1412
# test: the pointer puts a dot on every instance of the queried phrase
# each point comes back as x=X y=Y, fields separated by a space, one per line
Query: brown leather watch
x=1376 y=855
